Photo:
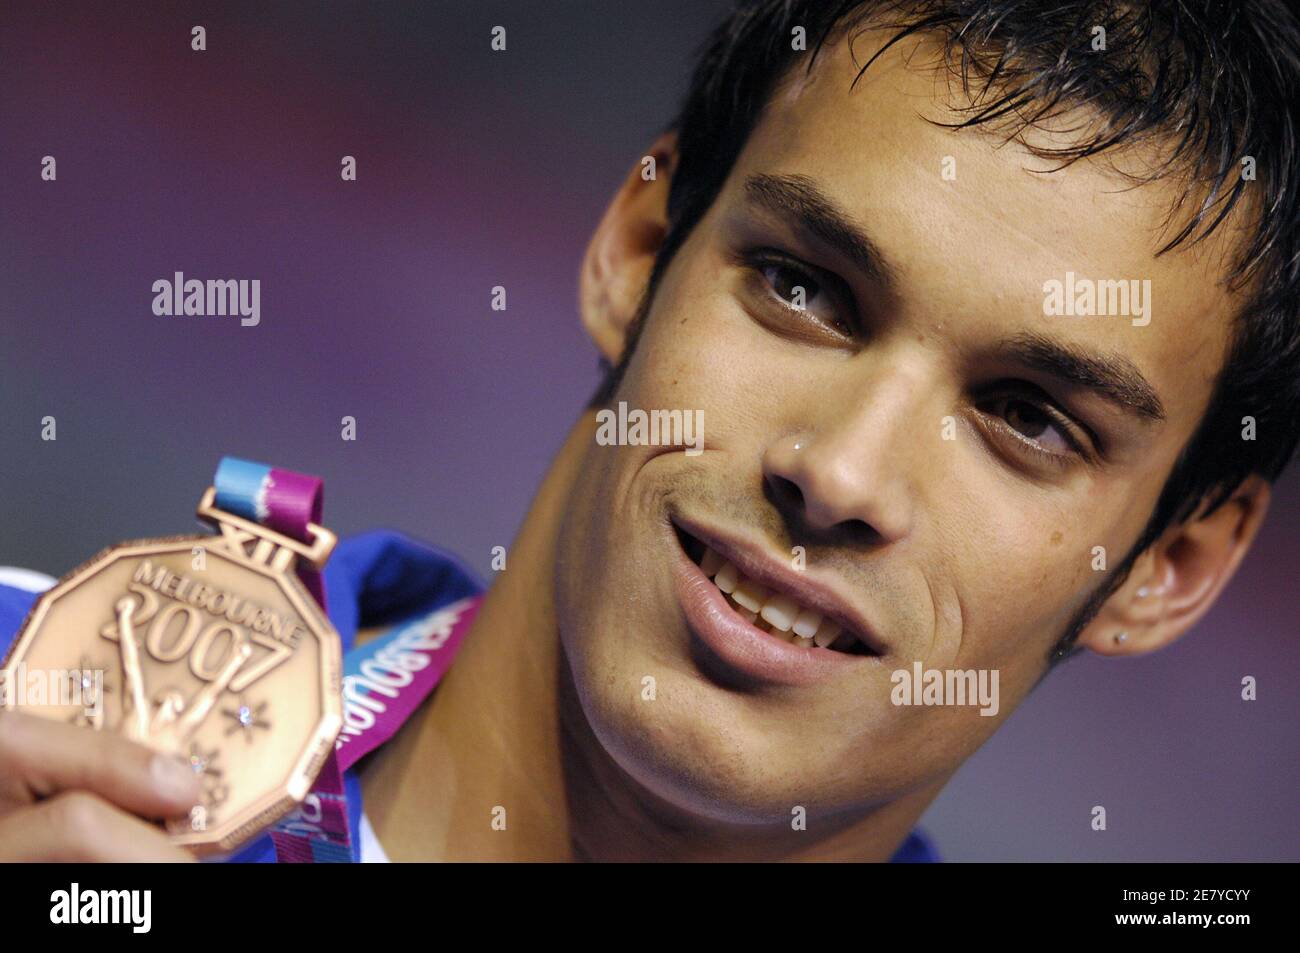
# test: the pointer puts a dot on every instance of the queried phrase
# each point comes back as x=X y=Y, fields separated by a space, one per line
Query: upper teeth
x=805 y=626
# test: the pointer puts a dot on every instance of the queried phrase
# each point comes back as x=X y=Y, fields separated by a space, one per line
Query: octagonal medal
x=206 y=647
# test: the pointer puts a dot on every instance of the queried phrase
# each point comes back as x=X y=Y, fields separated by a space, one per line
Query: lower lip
x=745 y=647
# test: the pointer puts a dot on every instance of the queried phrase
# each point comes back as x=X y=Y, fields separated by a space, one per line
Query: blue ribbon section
x=241 y=487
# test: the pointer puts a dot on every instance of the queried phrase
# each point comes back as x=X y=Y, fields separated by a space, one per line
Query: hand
x=68 y=793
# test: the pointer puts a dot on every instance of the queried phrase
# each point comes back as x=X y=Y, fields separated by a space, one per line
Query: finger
x=43 y=757
x=80 y=827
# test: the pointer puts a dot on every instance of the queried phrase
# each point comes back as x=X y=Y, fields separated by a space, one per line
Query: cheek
x=1019 y=564
x=680 y=362
x=615 y=604
x=699 y=349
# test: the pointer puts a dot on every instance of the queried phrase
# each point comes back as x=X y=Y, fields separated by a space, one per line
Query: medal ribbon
x=384 y=681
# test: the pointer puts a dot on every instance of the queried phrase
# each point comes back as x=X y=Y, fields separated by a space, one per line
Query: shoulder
x=917 y=849
x=383 y=577
x=389 y=565
x=19 y=590
x=24 y=580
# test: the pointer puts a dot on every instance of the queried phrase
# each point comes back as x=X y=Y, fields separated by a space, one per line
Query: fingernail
x=174 y=778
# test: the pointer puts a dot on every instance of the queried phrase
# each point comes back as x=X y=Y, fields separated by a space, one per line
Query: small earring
x=1142 y=592
x=1121 y=638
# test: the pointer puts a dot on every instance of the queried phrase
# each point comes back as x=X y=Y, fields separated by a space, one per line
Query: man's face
x=945 y=456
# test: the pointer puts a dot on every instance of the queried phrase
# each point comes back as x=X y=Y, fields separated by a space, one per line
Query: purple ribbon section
x=292 y=501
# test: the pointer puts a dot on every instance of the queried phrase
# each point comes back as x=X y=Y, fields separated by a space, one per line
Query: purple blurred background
x=475 y=169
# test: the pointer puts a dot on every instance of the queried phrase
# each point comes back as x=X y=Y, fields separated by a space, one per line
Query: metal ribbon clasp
x=267 y=546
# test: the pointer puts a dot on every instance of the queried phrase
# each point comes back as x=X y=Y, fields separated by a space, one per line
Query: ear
x=1174 y=583
x=617 y=265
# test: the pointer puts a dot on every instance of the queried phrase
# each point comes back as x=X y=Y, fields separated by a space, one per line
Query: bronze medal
x=206 y=647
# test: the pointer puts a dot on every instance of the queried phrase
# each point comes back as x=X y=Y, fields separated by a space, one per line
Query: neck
x=505 y=767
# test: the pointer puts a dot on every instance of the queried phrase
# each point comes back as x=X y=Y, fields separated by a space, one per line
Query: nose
x=846 y=475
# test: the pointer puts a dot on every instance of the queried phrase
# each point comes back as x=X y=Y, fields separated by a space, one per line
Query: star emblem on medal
x=204 y=764
x=88 y=682
x=246 y=717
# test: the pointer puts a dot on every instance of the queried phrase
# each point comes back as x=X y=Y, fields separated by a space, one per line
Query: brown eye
x=1034 y=423
x=1025 y=418
x=793 y=287
x=785 y=282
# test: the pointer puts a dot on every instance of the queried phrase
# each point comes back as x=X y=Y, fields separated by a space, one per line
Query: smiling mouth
x=777 y=613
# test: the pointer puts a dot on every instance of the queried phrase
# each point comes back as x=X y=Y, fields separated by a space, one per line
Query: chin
x=691 y=749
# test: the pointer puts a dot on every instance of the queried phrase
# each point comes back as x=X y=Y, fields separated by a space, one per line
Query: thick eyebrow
x=798 y=199
x=1113 y=376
